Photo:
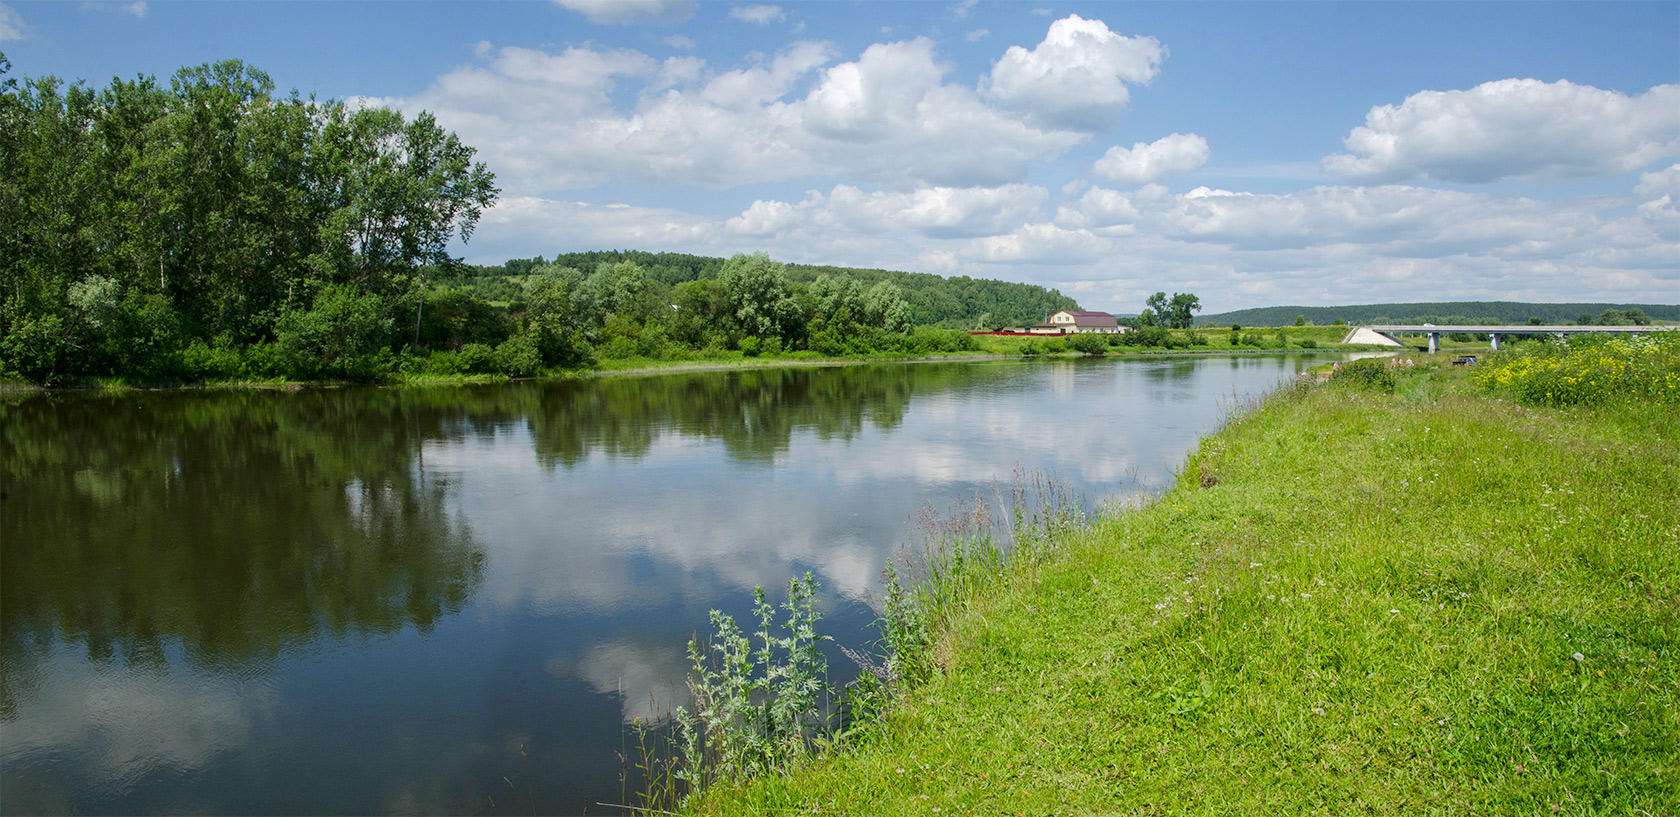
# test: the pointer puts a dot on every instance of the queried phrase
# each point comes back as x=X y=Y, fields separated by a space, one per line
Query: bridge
x=1389 y=334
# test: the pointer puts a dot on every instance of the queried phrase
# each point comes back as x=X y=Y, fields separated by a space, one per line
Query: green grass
x=1425 y=602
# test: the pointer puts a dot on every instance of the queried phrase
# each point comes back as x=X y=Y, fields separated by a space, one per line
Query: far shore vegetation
x=1417 y=589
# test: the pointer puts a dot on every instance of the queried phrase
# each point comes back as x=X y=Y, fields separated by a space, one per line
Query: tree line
x=144 y=219
x=209 y=228
x=1453 y=313
x=957 y=302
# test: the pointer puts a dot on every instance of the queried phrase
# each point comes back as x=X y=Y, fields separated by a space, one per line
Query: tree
x=1158 y=309
x=554 y=324
x=884 y=307
x=756 y=294
x=1180 y=309
x=1175 y=312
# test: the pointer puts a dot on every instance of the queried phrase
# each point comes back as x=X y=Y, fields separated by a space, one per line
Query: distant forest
x=958 y=302
x=1448 y=313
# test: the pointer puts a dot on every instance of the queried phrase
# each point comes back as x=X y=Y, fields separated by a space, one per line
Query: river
x=452 y=600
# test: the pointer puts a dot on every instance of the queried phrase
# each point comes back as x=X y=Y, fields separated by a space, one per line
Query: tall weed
x=760 y=703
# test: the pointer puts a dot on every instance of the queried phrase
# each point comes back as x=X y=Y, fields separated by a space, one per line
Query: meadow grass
x=1428 y=601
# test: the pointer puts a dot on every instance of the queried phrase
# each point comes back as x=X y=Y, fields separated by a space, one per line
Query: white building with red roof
x=1071 y=322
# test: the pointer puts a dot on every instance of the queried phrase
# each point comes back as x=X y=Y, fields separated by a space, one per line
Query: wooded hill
x=1447 y=313
x=957 y=302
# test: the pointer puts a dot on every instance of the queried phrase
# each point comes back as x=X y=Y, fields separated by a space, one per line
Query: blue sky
x=1254 y=153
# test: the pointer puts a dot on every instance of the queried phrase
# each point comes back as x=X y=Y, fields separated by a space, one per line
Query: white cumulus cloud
x=757 y=15
x=1077 y=77
x=616 y=12
x=549 y=122
x=1145 y=163
x=1512 y=129
x=1665 y=182
x=516 y=224
x=770 y=218
x=1040 y=243
x=938 y=212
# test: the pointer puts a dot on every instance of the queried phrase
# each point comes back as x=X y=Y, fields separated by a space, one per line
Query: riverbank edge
x=1421 y=602
x=674 y=367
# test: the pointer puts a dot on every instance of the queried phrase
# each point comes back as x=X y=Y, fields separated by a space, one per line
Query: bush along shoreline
x=1403 y=591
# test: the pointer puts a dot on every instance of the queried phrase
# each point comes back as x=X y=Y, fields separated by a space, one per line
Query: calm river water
x=451 y=600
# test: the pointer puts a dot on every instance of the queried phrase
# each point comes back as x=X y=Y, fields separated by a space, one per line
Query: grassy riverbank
x=1426 y=602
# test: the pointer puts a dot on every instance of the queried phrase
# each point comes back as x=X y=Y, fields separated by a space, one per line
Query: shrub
x=1088 y=344
x=201 y=361
x=35 y=348
x=517 y=357
x=751 y=346
x=336 y=337
x=445 y=363
x=1149 y=336
x=478 y=358
x=1366 y=373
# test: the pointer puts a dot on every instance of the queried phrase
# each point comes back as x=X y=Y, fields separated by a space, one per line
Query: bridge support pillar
x=1434 y=342
x=1494 y=337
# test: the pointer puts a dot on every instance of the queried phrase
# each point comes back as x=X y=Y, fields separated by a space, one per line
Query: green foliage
x=1154 y=336
x=757 y=297
x=518 y=356
x=1175 y=312
x=36 y=348
x=451 y=318
x=1588 y=369
x=1087 y=343
x=1623 y=317
x=1370 y=373
x=337 y=336
x=143 y=217
x=755 y=710
x=958 y=302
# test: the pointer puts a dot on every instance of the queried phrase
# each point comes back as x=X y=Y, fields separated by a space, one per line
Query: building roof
x=1099 y=319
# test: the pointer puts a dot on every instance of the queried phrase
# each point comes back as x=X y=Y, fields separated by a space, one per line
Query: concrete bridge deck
x=1392 y=332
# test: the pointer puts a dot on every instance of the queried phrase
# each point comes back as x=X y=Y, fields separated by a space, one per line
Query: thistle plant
x=755 y=709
